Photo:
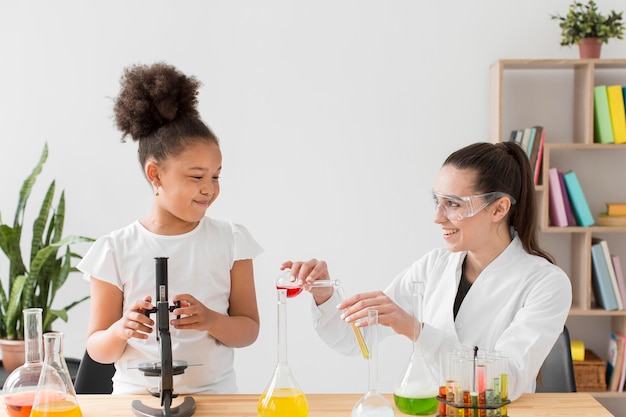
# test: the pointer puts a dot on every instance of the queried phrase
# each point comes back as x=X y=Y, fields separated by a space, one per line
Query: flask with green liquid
x=417 y=392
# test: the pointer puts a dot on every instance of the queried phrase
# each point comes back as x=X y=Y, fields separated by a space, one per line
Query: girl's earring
x=156 y=193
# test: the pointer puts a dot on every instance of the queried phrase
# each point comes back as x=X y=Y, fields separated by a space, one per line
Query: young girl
x=491 y=287
x=209 y=261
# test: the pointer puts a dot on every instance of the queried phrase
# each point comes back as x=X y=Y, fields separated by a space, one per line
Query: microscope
x=167 y=367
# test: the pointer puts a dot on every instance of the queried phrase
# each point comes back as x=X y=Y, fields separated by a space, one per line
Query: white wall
x=334 y=117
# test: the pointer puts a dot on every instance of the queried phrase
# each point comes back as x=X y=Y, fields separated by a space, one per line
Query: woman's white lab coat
x=517 y=306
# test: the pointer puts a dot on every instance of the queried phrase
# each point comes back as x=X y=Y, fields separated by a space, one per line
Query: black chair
x=94 y=377
x=557 y=372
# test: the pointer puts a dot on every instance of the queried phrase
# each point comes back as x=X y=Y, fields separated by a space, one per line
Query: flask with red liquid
x=20 y=386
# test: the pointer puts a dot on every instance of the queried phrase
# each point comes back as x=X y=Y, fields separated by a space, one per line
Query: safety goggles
x=454 y=207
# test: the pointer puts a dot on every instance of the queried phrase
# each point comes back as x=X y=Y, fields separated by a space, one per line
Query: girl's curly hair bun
x=152 y=96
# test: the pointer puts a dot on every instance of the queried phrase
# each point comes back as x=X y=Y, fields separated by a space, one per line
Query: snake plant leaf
x=10 y=244
x=61 y=276
x=52 y=314
x=13 y=309
x=39 y=226
x=27 y=186
x=44 y=253
x=36 y=283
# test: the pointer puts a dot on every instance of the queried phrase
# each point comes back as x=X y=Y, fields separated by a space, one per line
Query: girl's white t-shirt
x=199 y=263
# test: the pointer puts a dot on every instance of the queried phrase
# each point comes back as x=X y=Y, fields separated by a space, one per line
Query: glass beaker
x=55 y=392
x=20 y=386
x=282 y=396
x=417 y=392
x=372 y=404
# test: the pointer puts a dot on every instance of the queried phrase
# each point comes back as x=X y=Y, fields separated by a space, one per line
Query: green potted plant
x=585 y=26
x=34 y=282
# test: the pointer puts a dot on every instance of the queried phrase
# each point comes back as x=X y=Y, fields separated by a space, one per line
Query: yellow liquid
x=56 y=409
x=360 y=340
x=285 y=402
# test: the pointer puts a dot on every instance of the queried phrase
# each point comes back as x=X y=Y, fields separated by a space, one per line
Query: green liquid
x=416 y=406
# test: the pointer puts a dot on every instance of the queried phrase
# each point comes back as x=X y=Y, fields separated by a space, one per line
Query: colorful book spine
x=619 y=275
x=603 y=128
x=605 y=219
x=566 y=202
x=609 y=265
x=616 y=209
x=526 y=139
x=601 y=282
x=558 y=217
x=537 y=168
x=616 y=109
x=578 y=200
x=534 y=151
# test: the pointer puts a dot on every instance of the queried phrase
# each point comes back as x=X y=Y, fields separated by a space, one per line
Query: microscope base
x=186 y=409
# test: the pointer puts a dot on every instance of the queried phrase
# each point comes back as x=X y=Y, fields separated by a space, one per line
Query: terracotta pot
x=13 y=355
x=589 y=48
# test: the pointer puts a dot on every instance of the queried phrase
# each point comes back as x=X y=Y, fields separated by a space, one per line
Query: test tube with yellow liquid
x=357 y=332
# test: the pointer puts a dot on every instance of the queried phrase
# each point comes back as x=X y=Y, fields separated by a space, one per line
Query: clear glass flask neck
x=33 y=350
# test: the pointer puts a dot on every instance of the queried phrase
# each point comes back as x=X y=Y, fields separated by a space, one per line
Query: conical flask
x=417 y=392
x=372 y=404
x=282 y=396
x=20 y=386
x=55 y=392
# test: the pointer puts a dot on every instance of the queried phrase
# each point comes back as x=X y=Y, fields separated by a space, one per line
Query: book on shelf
x=615 y=363
x=516 y=136
x=601 y=280
x=618 y=209
x=603 y=129
x=527 y=138
x=622 y=379
x=619 y=275
x=611 y=269
x=536 y=152
x=566 y=202
x=605 y=219
x=578 y=200
x=557 y=214
x=615 y=96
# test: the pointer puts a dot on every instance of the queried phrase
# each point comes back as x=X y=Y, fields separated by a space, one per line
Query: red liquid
x=291 y=291
x=19 y=405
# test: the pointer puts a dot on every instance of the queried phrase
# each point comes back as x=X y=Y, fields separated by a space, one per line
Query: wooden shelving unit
x=558 y=95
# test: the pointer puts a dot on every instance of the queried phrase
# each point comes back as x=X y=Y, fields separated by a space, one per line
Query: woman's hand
x=134 y=323
x=305 y=273
x=389 y=313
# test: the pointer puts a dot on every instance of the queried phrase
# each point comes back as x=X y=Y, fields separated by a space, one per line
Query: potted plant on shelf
x=585 y=26
x=34 y=282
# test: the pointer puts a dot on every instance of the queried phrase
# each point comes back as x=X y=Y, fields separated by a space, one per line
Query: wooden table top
x=327 y=405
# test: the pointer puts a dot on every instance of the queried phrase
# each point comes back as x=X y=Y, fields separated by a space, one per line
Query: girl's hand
x=134 y=323
x=389 y=313
x=193 y=314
